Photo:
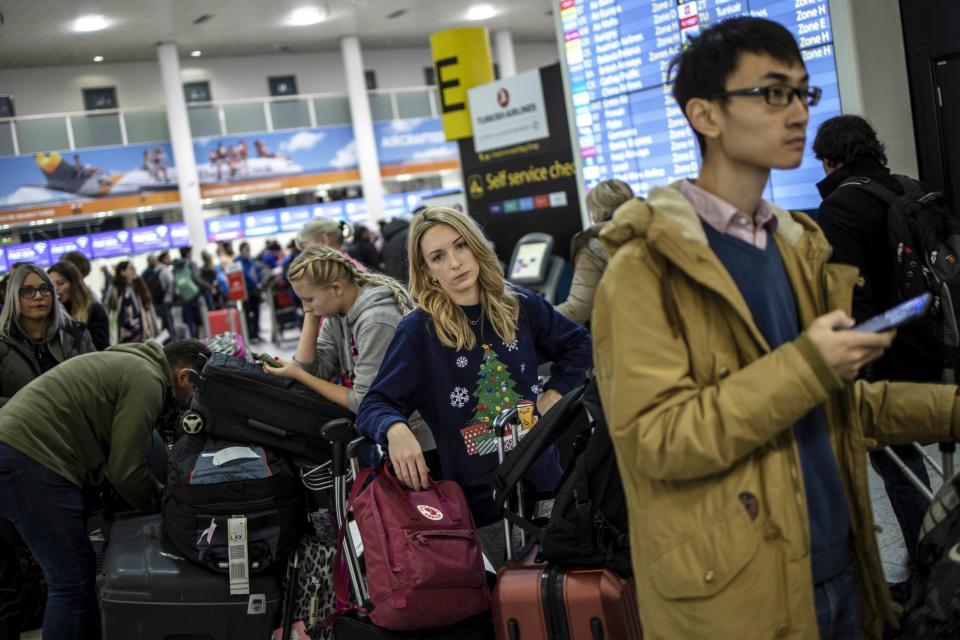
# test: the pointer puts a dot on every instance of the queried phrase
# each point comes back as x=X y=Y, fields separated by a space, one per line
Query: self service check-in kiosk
x=534 y=266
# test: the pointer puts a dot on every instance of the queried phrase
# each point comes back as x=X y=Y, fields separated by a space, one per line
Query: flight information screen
x=629 y=127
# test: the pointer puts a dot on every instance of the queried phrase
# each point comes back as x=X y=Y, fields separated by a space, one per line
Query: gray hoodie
x=356 y=342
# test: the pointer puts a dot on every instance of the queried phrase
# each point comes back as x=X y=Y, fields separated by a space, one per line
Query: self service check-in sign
x=508 y=112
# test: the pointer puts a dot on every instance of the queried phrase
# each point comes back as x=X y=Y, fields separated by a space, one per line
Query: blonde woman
x=469 y=350
x=588 y=255
x=360 y=314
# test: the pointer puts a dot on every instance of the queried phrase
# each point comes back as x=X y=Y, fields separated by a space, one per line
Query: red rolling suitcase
x=534 y=600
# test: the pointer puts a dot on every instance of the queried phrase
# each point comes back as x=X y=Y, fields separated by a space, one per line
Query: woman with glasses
x=130 y=307
x=79 y=302
x=36 y=333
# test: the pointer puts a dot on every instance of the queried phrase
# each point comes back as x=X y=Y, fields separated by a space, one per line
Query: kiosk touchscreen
x=534 y=266
x=530 y=263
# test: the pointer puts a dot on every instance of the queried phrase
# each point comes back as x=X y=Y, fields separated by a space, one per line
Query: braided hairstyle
x=323 y=266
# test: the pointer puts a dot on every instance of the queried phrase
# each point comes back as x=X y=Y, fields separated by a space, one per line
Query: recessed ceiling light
x=98 y=58
x=196 y=53
x=90 y=23
x=305 y=16
x=481 y=12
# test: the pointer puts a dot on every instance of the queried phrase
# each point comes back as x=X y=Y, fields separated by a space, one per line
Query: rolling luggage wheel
x=192 y=422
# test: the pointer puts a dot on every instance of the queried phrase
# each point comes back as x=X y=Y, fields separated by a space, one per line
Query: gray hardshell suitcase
x=147 y=592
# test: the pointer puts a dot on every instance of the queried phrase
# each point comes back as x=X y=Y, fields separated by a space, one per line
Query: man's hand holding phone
x=847 y=351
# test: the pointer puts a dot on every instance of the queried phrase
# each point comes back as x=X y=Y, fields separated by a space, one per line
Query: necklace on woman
x=474 y=323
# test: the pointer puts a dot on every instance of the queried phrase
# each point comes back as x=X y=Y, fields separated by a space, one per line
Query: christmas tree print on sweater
x=495 y=392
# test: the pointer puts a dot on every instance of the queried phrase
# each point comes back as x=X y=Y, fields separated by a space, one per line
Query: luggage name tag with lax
x=238 y=560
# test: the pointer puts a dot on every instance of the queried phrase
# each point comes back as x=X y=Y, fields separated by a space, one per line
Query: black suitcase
x=236 y=400
x=148 y=592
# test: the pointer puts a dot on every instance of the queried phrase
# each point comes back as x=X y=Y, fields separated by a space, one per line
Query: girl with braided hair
x=359 y=312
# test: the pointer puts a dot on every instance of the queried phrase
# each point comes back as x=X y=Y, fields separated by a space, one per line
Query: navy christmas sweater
x=459 y=393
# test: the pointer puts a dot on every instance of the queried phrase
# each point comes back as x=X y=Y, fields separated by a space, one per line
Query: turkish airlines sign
x=508 y=112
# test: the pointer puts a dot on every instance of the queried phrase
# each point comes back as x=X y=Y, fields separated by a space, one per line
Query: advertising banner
x=76 y=183
x=3 y=260
x=461 y=60
x=260 y=223
x=60 y=246
x=293 y=219
x=66 y=183
x=179 y=235
x=149 y=239
x=414 y=145
x=111 y=244
x=37 y=253
x=266 y=162
x=224 y=228
x=508 y=112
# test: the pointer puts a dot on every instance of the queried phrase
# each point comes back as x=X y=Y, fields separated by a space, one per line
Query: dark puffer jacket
x=394 y=252
x=855 y=223
x=18 y=365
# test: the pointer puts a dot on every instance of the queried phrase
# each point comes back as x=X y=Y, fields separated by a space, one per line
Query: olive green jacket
x=88 y=419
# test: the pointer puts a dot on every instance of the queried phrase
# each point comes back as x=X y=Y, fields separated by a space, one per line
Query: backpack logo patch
x=208 y=532
x=430 y=513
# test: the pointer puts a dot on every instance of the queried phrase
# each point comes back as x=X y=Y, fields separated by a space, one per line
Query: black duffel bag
x=210 y=481
x=239 y=401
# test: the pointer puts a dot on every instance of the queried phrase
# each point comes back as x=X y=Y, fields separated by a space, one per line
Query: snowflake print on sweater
x=459 y=397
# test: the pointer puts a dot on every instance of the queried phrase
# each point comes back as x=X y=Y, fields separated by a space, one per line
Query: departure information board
x=628 y=125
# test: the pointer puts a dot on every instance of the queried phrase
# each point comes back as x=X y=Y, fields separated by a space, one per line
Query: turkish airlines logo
x=430 y=513
x=503 y=98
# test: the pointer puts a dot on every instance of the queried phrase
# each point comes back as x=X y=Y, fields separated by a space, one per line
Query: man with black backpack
x=859 y=193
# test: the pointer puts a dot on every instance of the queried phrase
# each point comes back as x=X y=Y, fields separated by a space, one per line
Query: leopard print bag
x=315 y=599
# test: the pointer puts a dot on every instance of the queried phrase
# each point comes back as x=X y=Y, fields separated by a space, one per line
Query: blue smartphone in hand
x=899 y=315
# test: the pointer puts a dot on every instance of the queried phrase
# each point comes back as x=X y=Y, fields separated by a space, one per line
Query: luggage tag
x=229 y=454
x=237 y=559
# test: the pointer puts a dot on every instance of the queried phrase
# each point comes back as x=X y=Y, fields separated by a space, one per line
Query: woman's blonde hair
x=497 y=302
x=323 y=266
x=604 y=198
x=316 y=230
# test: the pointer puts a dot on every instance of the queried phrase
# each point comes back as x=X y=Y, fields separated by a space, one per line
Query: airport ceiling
x=36 y=33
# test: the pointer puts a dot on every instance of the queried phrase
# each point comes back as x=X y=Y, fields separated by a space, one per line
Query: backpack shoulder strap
x=872 y=187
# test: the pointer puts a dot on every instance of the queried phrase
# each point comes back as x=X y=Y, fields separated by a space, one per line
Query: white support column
x=363 y=133
x=182 y=140
x=503 y=45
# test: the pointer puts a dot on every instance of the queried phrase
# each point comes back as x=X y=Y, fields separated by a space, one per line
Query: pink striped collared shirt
x=724 y=217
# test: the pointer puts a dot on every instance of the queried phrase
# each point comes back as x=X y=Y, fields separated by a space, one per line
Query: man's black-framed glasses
x=778 y=95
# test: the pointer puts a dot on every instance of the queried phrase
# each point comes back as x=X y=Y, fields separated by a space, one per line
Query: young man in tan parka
x=726 y=367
